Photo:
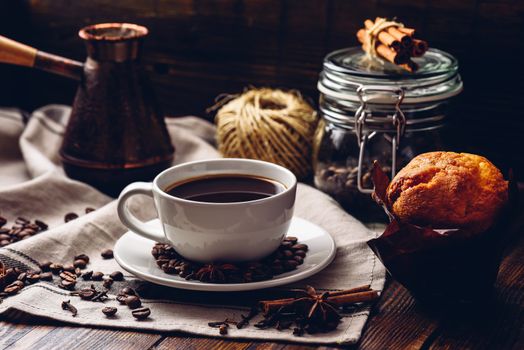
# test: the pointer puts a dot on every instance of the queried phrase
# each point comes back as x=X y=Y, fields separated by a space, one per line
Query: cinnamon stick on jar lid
x=391 y=41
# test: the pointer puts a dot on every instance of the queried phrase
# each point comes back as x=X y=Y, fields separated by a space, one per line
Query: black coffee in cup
x=225 y=188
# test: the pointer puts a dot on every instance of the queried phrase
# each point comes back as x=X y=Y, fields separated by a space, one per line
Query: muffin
x=446 y=190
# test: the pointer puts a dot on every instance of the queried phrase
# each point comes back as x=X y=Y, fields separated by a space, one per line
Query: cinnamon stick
x=404 y=39
x=384 y=37
x=384 y=51
x=350 y=296
x=353 y=298
x=419 y=48
x=407 y=31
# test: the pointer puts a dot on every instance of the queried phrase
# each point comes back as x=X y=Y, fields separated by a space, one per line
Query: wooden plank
x=398 y=321
x=64 y=337
x=190 y=343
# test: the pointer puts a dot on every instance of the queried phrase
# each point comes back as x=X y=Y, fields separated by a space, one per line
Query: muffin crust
x=448 y=190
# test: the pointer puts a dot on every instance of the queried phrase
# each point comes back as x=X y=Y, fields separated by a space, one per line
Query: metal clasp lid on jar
x=382 y=94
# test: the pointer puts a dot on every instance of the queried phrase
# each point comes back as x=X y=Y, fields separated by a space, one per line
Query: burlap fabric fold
x=33 y=185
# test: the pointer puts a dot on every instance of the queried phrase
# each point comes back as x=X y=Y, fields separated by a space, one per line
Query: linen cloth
x=33 y=185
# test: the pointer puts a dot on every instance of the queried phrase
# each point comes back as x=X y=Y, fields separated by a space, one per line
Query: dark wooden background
x=200 y=48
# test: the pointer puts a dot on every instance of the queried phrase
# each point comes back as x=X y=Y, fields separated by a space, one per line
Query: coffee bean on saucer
x=88 y=210
x=299 y=259
x=133 y=301
x=142 y=313
x=300 y=247
x=70 y=216
x=97 y=276
x=117 y=276
x=300 y=253
x=291 y=239
x=109 y=311
x=107 y=254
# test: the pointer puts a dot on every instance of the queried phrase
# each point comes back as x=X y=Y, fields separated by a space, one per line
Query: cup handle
x=131 y=221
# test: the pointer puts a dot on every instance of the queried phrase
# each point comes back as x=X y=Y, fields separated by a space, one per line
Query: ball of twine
x=271 y=125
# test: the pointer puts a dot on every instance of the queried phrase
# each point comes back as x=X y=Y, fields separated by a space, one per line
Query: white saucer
x=133 y=253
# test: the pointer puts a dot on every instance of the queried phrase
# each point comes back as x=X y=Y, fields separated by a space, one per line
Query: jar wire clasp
x=376 y=94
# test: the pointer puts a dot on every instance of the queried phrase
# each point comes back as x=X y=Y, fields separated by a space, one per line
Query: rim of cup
x=287 y=189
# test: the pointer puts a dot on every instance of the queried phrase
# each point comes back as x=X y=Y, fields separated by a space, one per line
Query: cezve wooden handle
x=13 y=52
x=17 y=53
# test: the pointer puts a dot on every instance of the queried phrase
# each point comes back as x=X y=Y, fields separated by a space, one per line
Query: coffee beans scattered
x=288 y=257
x=21 y=229
x=107 y=254
x=109 y=311
x=142 y=313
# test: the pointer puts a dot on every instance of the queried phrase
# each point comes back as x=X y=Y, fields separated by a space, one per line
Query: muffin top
x=446 y=190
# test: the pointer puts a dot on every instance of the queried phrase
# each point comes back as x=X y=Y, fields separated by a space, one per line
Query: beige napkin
x=33 y=185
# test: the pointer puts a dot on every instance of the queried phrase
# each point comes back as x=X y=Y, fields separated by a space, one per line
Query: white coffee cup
x=206 y=232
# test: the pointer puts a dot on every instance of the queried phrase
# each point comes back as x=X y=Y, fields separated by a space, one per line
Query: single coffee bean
x=33 y=278
x=121 y=298
x=97 y=276
x=3 y=221
x=291 y=239
x=4 y=236
x=86 y=276
x=56 y=268
x=69 y=267
x=78 y=272
x=22 y=277
x=300 y=247
x=107 y=254
x=287 y=253
x=4 y=242
x=128 y=291
x=46 y=276
x=12 y=289
x=299 y=259
x=82 y=257
x=70 y=216
x=300 y=253
x=290 y=265
x=21 y=220
x=117 y=276
x=285 y=244
x=80 y=263
x=67 y=284
x=87 y=294
x=223 y=329
x=109 y=311
x=88 y=210
x=42 y=225
x=133 y=302
x=141 y=314
x=108 y=282
x=45 y=266
x=69 y=276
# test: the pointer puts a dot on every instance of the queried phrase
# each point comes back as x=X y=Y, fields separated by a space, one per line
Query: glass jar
x=376 y=111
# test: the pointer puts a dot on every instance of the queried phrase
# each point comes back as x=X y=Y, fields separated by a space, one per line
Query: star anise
x=312 y=312
x=218 y=273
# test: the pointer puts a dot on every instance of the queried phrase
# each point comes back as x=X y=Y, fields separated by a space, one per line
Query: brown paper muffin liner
x=441 y=266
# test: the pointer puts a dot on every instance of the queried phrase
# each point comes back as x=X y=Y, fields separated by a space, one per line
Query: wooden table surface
x=397 y=322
